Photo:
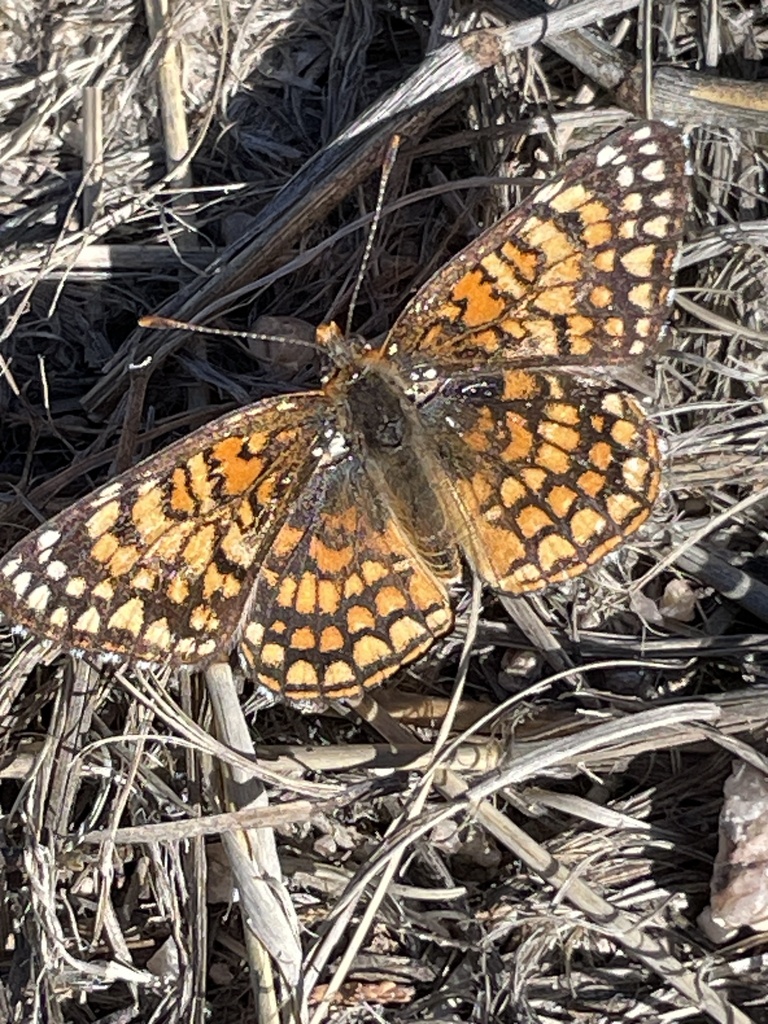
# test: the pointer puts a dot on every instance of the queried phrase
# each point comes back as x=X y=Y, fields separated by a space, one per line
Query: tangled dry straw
x=540 y=851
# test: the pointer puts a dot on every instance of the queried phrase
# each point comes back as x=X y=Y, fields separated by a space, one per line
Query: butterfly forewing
x=158 y=564
x=580 y=272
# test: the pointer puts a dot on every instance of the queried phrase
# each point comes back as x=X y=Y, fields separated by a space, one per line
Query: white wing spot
x=47 y=538
x=39 y=598
x=57 y=570
x=653 y=171
x=605 y=155
x=21 y=583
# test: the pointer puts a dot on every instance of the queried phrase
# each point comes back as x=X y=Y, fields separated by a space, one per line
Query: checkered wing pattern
x=342 y=598
x=579 y=272
x=159 y=564
x=549 y=477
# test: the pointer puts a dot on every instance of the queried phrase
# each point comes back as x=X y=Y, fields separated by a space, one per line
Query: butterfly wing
x=158 y=564
x=342 y=598
x=547 y=476
x=578 y=272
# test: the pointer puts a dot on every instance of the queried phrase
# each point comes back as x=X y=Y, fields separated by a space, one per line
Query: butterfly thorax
x=383 y=424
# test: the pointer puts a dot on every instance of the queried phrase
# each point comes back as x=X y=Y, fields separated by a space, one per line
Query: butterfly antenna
x=386 y=170
x=164 y=323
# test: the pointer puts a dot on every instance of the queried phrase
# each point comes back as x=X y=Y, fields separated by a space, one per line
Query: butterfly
x=317 y=534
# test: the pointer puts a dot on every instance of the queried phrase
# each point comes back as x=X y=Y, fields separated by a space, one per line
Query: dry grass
x=540 y=852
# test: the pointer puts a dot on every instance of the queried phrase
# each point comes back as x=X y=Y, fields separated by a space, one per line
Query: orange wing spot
x=627 y=230
x=482 y=488
x=167 y=547
x=331 y=639
x=286 y=595
x=614 y=326
x=158 y=635
x=198 y=552
x=403 y=632
x=303 y=639
x=203 y=617
x=224 y=583
x=527 y=577
x=504 y=275
x=178 y=590
x=488 y=341
x=592 y=483
x=481 y=306
x=424 y=593
x=287 y=540
x=624 y=433
x=569 y=199
x=370 y=650
x=532 y=520
x=103 y=519
x=328 y=559
x=512 y=492
x=237 y=472
x=553 y=459
x=181 y=500
x=235 y=548
x=273 y=655
x=129 y=616
x=600 y=455
x=373 y=571
x=306 y=595
x=586 y=525
x=200 y=479
x=553 y=550
x=633 y=203
x=605 y=261
x=621 y=507
x=353 y=586
x=519 y=448
x=339 y=674
x=639 y=261
x=597 y=234
x=519 y=386
x=562 y=412
x=513 y=328
x=524 y=261
x=302 y=675
x=601 y=297
x=557 y=249
x=104 y=548
x=595 y=212
x=359 y=618
x=560 y=499
x=557 y=300
x=245 y=515
x=328 y=596
x=388 y=600
x=124 y=560
x=265 y=491
x=534 y=479
x=642 y=296
x=149 y=517
x=564 y=437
